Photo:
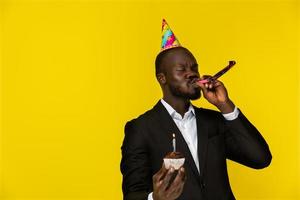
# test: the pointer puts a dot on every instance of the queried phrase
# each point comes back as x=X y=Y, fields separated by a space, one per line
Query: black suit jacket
x=148 y=139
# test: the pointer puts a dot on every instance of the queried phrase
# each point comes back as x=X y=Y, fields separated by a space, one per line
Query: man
x=205 y=137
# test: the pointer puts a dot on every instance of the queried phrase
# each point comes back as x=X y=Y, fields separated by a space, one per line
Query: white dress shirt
x=188 y=128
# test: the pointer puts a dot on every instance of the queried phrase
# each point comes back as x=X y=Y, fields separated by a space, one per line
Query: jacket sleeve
x=245 y=145
x=135 y=167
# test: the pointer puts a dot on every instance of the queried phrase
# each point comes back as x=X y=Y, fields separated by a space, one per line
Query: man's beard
x=191 y=96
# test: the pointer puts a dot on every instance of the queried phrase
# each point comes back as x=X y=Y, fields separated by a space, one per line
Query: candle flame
x=173 y=135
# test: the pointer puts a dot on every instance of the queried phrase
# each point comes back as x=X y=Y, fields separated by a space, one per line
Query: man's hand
x=162 y=189
x=216 y=93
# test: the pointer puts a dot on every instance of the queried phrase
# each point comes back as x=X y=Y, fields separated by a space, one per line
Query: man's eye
x=180 y=69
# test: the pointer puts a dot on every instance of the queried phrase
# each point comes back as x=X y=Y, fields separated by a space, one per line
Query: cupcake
x=174 y=159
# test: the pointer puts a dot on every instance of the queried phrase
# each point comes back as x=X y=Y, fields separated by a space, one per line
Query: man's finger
x=179 y=190
x=167 y=178
x=160 y=174
x=180 y=178
x=178 y=182
x=176 y=190
x=206 y=77
x=217 y=83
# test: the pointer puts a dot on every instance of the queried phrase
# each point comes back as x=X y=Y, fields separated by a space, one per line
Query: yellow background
x=73 y=72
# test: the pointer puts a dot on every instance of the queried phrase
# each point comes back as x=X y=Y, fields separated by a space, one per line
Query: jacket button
x=202 y=185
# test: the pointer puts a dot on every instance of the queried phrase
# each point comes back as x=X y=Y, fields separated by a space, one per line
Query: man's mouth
x=194 y=82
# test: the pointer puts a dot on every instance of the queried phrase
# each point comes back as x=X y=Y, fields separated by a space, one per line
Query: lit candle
x=174 y=143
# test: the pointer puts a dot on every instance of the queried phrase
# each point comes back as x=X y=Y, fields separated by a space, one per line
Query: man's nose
x=192 y=74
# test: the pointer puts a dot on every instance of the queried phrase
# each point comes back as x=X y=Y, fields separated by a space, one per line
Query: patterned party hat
x=168 y=38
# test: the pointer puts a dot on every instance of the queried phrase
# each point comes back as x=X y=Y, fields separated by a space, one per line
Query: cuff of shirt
x=233 y=115
x=150 y=196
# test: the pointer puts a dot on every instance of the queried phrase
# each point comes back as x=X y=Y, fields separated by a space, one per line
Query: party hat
x=168 y=38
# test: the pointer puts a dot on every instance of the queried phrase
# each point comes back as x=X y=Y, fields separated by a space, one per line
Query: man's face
x=181 y=71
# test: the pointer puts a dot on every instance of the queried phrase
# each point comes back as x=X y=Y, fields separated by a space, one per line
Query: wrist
x=154 y=196
x=226 y=107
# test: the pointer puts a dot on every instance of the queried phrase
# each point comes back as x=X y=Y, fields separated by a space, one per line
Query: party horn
x=219 y=74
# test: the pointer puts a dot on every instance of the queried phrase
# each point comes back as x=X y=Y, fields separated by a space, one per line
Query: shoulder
x=143 y=119
x=136 y=130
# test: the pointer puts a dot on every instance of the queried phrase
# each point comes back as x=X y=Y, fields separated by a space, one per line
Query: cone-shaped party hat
x=169 y=39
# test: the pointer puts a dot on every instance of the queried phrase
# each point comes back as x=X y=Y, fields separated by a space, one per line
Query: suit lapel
x=169 y=127
x=202 y=131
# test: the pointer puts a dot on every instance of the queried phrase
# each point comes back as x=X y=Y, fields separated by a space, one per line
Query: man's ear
x=161 y=78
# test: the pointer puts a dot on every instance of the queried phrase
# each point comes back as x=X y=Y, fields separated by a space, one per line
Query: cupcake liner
x=176 y=163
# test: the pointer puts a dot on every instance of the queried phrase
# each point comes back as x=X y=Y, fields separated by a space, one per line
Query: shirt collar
x=173 y=112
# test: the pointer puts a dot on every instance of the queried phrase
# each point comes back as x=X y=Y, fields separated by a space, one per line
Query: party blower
x=219 y=74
